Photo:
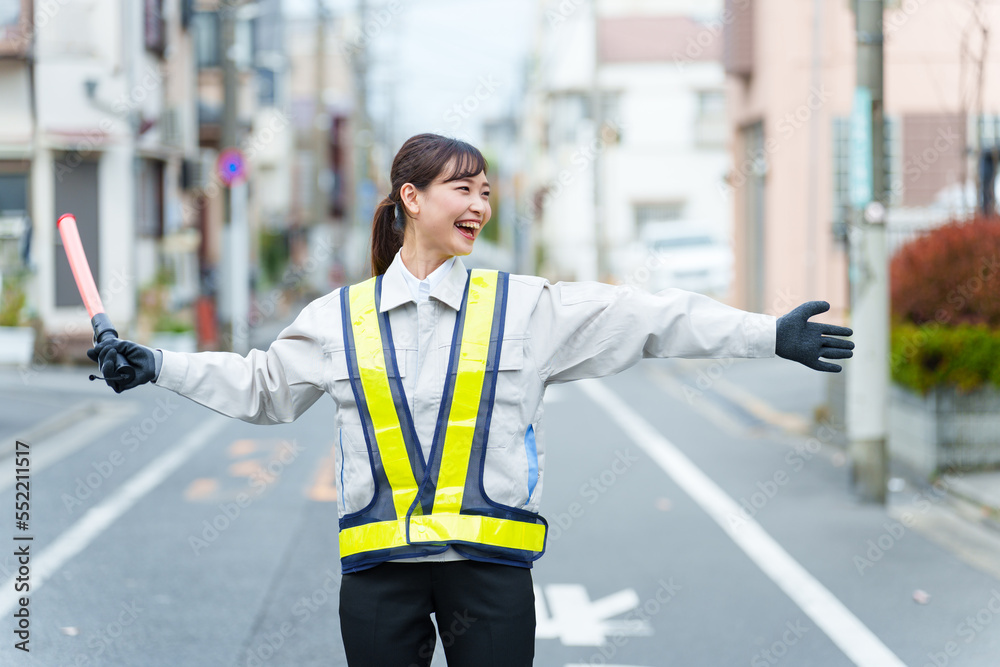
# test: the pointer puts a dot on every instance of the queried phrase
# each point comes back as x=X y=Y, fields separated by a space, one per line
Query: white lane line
x=57 y=445
x=857 y=642
x=98 y=518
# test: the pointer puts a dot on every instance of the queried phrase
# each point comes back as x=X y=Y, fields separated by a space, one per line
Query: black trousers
x=485 y=614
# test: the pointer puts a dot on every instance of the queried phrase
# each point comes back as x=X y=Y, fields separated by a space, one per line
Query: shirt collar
x=435 y=277
x=449 y=287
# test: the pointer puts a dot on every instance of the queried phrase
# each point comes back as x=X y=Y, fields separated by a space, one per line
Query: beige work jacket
x=553 y=333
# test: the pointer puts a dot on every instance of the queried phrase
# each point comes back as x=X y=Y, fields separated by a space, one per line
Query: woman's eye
x=463 y=187
x=486 y=194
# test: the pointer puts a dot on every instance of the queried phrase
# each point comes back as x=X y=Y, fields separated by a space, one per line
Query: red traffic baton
x=103 y=329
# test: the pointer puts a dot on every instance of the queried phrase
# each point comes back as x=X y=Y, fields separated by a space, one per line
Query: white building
x=660 y=151
x=98 y=116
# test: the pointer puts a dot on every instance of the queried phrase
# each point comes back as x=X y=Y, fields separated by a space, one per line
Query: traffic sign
x=861 y=149
x=231 y=166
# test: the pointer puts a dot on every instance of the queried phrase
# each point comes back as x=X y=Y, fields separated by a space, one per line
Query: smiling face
x=447 y=216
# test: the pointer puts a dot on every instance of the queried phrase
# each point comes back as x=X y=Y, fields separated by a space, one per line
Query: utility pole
x=597 y=114
x=321 y=125
x=868 y=371
x=363 y=136
x=235 y=233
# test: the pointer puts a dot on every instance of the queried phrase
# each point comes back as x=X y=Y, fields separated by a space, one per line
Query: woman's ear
x=408 y=194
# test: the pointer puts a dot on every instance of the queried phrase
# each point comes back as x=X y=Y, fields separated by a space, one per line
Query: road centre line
x=76 y=538
x=850 y=635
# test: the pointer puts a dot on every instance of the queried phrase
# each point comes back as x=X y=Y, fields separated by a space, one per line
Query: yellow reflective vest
x=420 y=507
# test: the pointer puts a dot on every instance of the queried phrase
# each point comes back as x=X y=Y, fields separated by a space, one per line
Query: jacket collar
x=395 y=291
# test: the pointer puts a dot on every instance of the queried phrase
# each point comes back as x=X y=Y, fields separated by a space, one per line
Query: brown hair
x=420 y=160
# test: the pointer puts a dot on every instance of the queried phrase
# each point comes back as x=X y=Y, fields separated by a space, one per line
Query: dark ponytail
x=420 y=160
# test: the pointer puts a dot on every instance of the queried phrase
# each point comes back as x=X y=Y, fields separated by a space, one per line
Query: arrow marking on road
x=576 y=621
x=850 y=635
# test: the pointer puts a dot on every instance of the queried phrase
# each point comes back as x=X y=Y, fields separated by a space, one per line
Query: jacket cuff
x=761 y=334
x=173 y=370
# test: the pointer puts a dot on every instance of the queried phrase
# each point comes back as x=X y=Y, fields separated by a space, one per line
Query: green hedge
x=965 y=356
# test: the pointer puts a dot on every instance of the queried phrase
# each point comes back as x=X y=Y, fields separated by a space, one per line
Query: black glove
x=804 y=341
x=107 y=355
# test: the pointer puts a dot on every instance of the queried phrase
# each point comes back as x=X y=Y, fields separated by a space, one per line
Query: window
x=567 y=112
x=710 y=128
x=10 y=13
x=754 y=219
x=841 y=154
x=150 y=221
x=657 y=212
x=13 y=194
x=153 y=27
x=206 y=39
x=711 y=103
x=15 y=27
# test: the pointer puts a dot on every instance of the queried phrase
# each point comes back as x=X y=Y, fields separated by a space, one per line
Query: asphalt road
x=686 y=529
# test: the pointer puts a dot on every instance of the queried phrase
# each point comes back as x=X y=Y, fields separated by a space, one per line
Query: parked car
x=686 y=255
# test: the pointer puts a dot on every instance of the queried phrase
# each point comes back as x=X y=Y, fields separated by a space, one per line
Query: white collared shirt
x=421 y=289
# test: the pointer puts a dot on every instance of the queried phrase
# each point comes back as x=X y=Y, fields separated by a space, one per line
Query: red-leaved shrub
x=950 y=275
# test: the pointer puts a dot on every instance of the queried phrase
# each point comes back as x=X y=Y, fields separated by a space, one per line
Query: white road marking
x=98 y=518
x=103 y=416
x=577 y=621
x=857 y=642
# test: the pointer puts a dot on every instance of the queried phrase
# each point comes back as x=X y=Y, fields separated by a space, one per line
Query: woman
x=438 y=375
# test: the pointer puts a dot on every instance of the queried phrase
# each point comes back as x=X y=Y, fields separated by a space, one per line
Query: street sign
x=861 y=149
x=231 y=166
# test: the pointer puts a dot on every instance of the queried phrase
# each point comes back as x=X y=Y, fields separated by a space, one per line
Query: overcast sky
x=436 y=54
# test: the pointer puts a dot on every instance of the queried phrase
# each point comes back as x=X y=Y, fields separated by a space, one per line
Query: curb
x=985 y=503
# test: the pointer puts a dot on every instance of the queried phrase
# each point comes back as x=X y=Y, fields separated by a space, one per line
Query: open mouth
x=467 y=231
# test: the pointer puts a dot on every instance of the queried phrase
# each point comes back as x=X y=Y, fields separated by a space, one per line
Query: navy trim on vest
x=475 y=500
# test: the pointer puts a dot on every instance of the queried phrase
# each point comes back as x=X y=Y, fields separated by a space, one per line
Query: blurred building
x=791 y=78
x=630 y=121
x=322 y=105
x=263 y=135
x=98 y=121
